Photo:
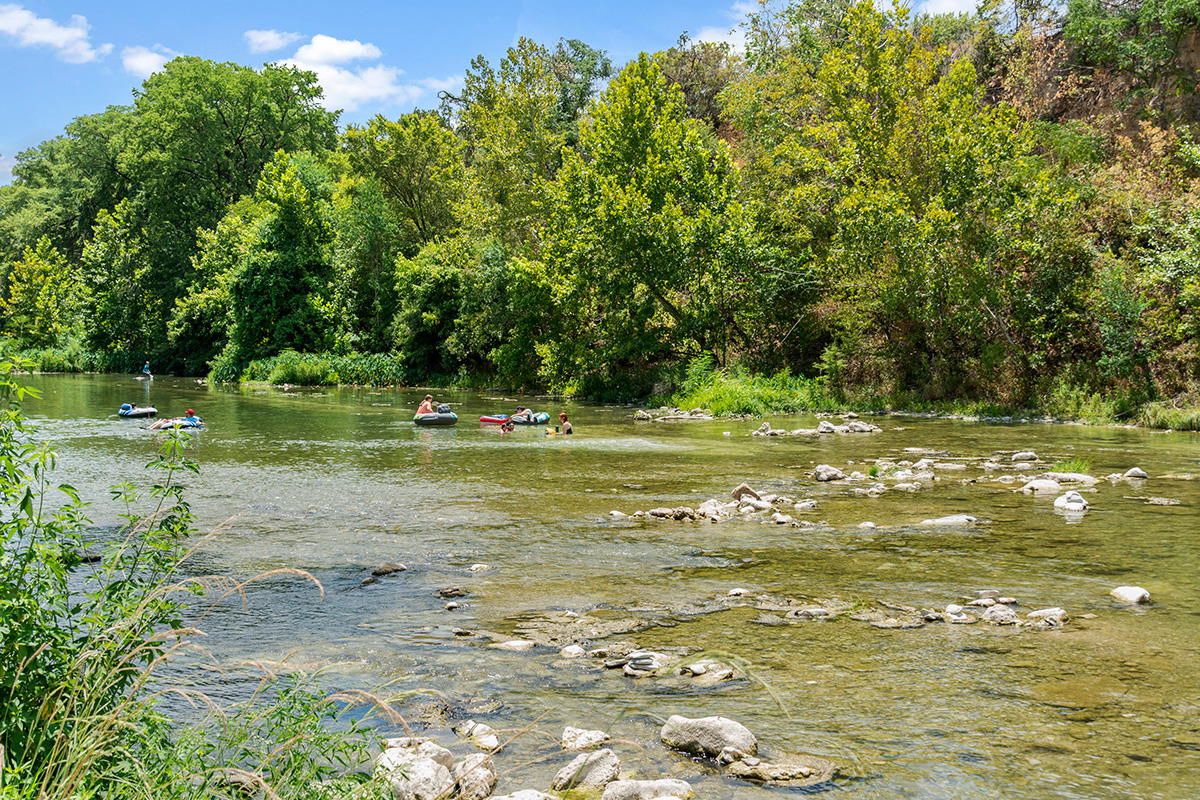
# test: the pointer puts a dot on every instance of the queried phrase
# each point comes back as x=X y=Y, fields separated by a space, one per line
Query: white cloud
x=70 y=41
x=328 y=50
x=348 y=86
x=6 y=166
x=734 y=33
x=144 y=61
x=266 y=41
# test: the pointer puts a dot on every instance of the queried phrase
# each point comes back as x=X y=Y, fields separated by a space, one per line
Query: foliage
x=1073 y=464
x=417 y=164
x=727 y=392
x=701 y=70
x=123 y=310
x=42 y=298
x=431 y=288
x=578 y=68
x=367 y=241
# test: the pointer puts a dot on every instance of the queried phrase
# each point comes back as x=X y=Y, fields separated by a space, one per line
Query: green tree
x=647 y=237
x=702 y=70
x=430 y=289
x=417 y=163
x=124 y=310
x=366 y=245
x=42 y=298
x=578 y=68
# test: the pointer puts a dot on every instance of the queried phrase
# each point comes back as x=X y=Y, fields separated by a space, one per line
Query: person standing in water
x=146 y=371
x=564 y=424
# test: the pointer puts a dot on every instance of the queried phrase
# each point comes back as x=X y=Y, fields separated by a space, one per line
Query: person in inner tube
x=426 y=406
x=192 y=418
x=522 y=414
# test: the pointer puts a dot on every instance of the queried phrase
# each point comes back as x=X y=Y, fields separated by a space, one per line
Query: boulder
x=1024 y=455
x=475 y=777
x=588 y=769
x=825 y=473
x=647 y=790
x=387 y=568
x=1135 y=472
x=757 y=505
x=1131 y=594
x=949 y=521
x=1071 y=501
x=571 y=651
x=790 y=770
x=580 y=739
x=715 y=737
x=1041 y=486
x=744 y=490
x=1001 y=615
x=415 y=769
x=1054 y=616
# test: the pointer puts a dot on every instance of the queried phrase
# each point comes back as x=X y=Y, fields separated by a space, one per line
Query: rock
x=1056 y=616
x=589 y=769
x=683 y=512
x=616 y=515
x=738 y=592
x=757 y=505
x=452 y=591
x=368 y=581
x=984 y=594
x=1071 y=501
x=478 y=567
x=780 y=519
x=1008 y=601
x=475 y=777
x=954 y=613
x=715 y=737
x=923 y=464
x=1024 y=455
x=1001 y=615
x=805 y=505
x=640 y=663
x=866 y=525
x=792 y=770
x=713 y=509
x=744 y=490
x=647 y=790
x=415 y=769
x=662 y=512
x=482 y=736
x=907 y=487
x=85 y=555
x=983 y=602
x=580 y=739
x=825 y=473
x=1131 y=594
x=1041 y=486
x=1135 y=472
x=825 y=426
x=452 y=606
x=571 y=651
x=516 y=645
x=1068 y=477
x=643 y=415
x=862 y=427
x=950 y=521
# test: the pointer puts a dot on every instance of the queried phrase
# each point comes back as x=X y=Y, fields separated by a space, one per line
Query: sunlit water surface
x=335 y=482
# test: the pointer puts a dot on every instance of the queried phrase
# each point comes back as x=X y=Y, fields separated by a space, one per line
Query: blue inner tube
x=435 y=419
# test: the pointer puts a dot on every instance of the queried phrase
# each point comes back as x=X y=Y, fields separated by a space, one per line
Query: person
x=522 y=414
x=564 y=424
x=507 y=427
x=146 y=370
x=426 y=406
x=191 y=417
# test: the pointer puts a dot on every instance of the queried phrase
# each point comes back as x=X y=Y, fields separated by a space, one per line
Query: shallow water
x=337 y=481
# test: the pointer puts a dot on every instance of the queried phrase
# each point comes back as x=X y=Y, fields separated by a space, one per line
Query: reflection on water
x=337 y=481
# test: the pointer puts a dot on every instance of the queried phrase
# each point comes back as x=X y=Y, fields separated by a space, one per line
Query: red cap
x=190 y=412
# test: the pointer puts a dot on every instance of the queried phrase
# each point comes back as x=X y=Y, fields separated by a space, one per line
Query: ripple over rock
x=715 y=737
x=647 y=790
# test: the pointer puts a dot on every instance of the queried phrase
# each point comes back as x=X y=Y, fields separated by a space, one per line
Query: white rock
x=648 y=790
x=738 y=592
x=580 y=739
x=1135 y=472
x=515 y=644
x=780 y=519
x=482 y=736
x=866 y=524
x=617 y=514
x=1131 y=594
x=589 y=769
x=1071 y=501
x=1041 y=486
x=571 y=651
x=825 y=426
x=415 y=769
x=478 y=567
x=825 y=473
x=525 y=794
x=475 y=777
x=1001 y=615
x=757 y=505
x=907 y=487
x=924 y=463
x=744 y=490
x=1024 y=455
x=805 y=505
x=716 y=737
x=949 y=521
x=1050 y=614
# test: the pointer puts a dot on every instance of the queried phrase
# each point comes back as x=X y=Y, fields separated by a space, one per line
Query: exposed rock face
x=475 y=777
x=589 y=769
x=715 y=737
x=580 y=739
x=647 y=790
x=416 y=769
x=1131 y=594
x=825 y=473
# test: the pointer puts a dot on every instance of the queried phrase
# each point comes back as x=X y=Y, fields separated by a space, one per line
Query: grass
x=1074 y=464
x=1166 y=416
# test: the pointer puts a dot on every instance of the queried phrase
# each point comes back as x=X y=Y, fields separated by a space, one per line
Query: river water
x=336 y=481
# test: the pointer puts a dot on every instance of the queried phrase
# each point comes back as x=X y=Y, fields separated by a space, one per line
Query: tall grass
x=84 y=650
x=724 y=392
x=1165 y=416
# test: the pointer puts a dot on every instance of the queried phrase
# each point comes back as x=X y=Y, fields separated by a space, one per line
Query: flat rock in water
x=580 y=739
x=589 y=769
x=1131 y=594
x=788 y=770
x=1041 y=486
x=648 y=790
x=716 y=737
x=950 y=521
x=452 y=591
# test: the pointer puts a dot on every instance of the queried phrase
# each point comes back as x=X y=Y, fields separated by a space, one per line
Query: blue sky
x=68 y=58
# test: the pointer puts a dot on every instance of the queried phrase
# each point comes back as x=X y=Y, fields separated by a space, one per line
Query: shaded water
x=337 y=481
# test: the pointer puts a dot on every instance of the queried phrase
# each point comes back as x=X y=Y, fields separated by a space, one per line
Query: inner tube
x=435 y=419
x=141 y=412
x=174 y=422
x=540 y=418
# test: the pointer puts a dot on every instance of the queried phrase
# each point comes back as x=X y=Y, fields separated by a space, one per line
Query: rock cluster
x=670 y=414
x=823 y=427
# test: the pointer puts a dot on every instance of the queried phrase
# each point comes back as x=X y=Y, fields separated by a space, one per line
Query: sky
x=68 y=58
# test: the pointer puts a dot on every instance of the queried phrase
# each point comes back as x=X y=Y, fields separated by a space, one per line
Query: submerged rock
x=790 y=770
x=714 y=737
x=949 y=521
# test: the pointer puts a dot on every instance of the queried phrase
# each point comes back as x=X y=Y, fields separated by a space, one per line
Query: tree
x=578 y=68
x=124 y=309
x=42 y=298
x=702 y=70
x=645 y=233
x=416 y=161
x=366 y=245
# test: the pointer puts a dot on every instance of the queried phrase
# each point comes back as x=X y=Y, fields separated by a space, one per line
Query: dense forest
x=998 y=206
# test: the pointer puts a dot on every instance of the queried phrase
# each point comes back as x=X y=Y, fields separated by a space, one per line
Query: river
x=336 y=481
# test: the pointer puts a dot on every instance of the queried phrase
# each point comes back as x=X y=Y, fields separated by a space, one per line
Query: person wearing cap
x=522 y=414
x=191 y=417
x=564 y=424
